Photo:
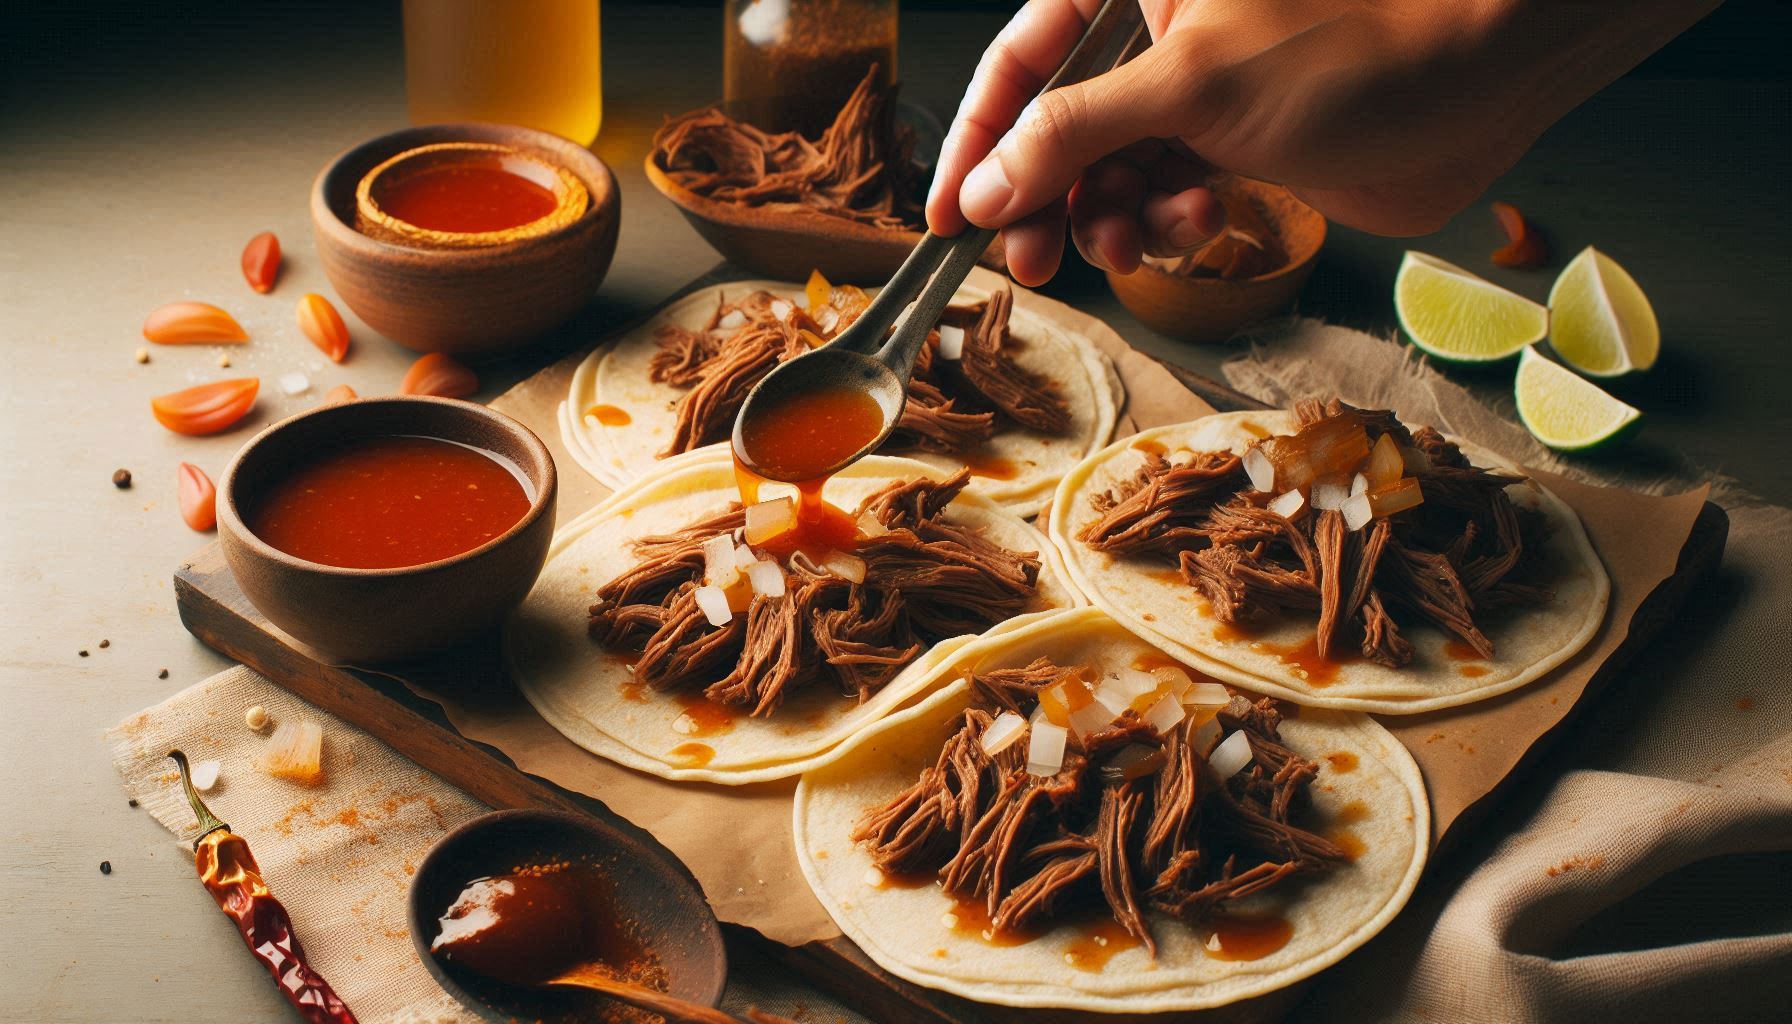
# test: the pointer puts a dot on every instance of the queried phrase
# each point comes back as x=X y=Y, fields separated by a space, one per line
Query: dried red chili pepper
x=233 y=878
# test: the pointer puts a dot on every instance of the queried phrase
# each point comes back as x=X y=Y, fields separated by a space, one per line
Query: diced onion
x=1002 y=732
x=871 y=526
x=1117 y=692
x=1414 y=461
x=1205 y=735
x=718 y=561
x=1359 y=484
x=1230 y=757
x=1398 y=496
x=205 y=775
x=1164 y=715
x=770 y=518
x=827 y=320
x=1091 y=717
x=767 y=579
x=951 y=342
x=1173 y=678
x=1357 y=512
x=294 y=384
x=1045 y=749
x=782 y=310
x=1385 y=462
x=713 y=601
x=847 y=567
x=1210 y=695
x=1262 y=472
x=801 y=299
x=744 y=557
x=1330 y=493
x=1288 y=504
x=732 y=320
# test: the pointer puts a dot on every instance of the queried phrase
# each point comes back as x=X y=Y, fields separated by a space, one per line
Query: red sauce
x=1099 y=942
x=1247 y=938
x=809 y=433
x=1304 y=658
x=692 y=755
x=993 y=468
x=1456 y=650
x=970 y=918
x=904 y=879
x=385 y=502
x=526 y=927
x=609 y=415
x=1342 y=761
x=1472 y=671
x=703 y=717
x=1150 y=446
x=820 y=527
x=467 y=196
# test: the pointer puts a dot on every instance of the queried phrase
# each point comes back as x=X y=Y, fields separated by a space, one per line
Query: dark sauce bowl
x=368 y=616
x=667 y=911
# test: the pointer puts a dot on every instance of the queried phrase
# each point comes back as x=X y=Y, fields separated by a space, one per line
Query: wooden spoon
x=598 y=978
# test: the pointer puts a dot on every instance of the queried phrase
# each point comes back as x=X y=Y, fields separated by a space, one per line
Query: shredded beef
x=1466 y=549
x=926 y=579
x=861 y=169
x=1176 y=841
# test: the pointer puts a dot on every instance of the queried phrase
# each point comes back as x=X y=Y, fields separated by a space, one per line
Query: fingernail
x=986 y=191
x=1186 y=234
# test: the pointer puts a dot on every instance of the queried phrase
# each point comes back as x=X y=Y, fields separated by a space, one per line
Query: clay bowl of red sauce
x=387 y=529
x=473 y=248
x=517 y=895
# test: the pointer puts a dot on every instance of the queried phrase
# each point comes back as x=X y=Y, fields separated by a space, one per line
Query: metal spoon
x=861 y=358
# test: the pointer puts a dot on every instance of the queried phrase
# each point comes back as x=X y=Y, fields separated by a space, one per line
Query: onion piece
x=718 y=561
x=1330 y=493
x=1204 y=736
x=1231 y=756
x=1092 y=717
x=1045 y=749
x=205 y=775
x=294 y=383
x=1262 y=472
x=951 y=342
x=782 y=310
x=1207 y=695
x=1165 y=714
x=847 y=567
x=1357 y=512
x=801 y=300
x=1133 y=761
x=770 y=518
x=1385 y=462
x=827 y=321
x=1398 y=496
x=744 y=557
x=1414 y=461
x=1002 y=733
x=1359 y=484
x=1173 y=679
x=870 y=526
x=1288 y=504
x=295 y=752
x=732 y=320
x=766 y=579
x=713 y=602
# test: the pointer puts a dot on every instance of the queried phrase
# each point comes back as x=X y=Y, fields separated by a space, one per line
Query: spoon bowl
x=823 y=370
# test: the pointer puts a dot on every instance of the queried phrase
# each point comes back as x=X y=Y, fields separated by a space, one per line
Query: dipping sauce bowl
x=372 y=615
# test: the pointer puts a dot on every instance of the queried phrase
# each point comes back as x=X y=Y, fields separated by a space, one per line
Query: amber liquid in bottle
x=535 y=63
x=789 y=65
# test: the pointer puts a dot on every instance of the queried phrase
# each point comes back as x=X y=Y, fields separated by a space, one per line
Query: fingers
x=1012 y=70
x=1178 y=224
x=1104 y=214
x=1145 y=200
x=1068 y=130
x=1034 y=245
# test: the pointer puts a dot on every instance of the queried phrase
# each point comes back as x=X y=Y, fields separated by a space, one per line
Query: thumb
x=1067 y=129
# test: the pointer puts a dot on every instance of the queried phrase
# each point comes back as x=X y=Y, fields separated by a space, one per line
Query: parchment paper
x=736 y=840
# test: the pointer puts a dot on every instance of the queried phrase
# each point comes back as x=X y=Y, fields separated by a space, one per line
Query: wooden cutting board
x=215 y=610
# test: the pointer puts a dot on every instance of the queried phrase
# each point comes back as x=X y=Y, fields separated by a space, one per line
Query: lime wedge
x=1458 y=317
x=1600 y=322
x=1562 y=410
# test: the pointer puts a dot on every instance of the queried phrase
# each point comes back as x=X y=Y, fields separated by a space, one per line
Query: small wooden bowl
x=367 y=616
x=1211 y=309
x=673 y=919
x=471 y=303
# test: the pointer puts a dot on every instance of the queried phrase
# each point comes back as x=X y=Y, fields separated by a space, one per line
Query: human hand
x=1385 y=115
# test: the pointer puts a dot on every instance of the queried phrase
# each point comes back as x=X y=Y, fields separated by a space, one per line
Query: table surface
x=135 y=160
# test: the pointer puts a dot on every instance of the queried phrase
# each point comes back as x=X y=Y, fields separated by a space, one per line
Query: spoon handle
x=932 y=273
x=670 y=1007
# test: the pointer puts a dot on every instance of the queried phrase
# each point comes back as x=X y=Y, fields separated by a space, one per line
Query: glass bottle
x=789 y=65
x=535 y=63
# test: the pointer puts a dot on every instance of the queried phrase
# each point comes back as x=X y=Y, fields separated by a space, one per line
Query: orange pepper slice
x=439 y=375
x=192 y=323
x=261 y=262
x=323 y=325
x=1524 y=248
x=208 y=408
x=340 y=393
x=198 y=497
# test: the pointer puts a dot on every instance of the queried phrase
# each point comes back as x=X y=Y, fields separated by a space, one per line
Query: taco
x=679 y=633
x=1072 y=819
x=1333 y=556
x=997 y=388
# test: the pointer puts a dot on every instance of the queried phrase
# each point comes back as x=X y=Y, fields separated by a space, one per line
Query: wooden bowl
x=672 y=918
x=365 y=616
x=1210 y=309
x=471 y=303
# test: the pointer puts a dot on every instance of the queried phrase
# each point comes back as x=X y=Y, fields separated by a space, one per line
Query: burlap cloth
x=1644 y=875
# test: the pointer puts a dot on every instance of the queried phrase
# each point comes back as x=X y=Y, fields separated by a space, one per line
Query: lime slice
x=1562 y=410
x=1458 y=317
x=1600 y=322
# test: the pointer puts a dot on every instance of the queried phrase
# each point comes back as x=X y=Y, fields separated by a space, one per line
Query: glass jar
x=535 y=63
x=789 y=65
